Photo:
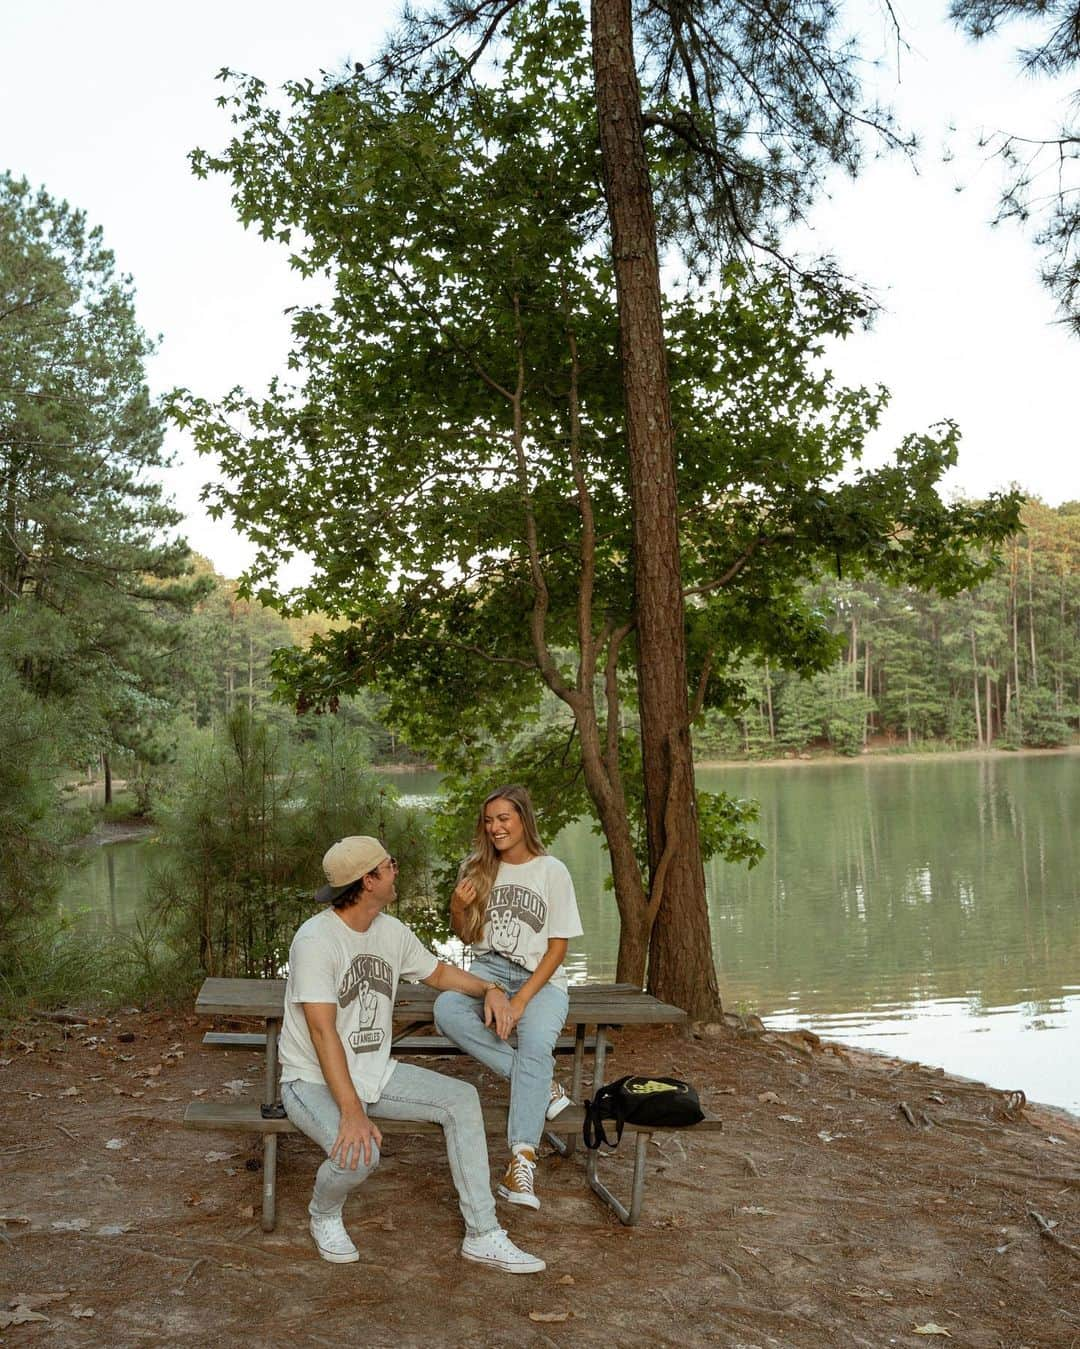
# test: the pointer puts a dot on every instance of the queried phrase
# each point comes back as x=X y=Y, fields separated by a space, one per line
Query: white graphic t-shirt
x=359 y=971
x=529 y=903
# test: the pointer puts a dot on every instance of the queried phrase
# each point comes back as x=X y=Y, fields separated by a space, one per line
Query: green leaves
x=89 y=566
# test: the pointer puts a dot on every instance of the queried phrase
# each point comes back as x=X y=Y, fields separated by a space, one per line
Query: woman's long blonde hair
x=482 y=864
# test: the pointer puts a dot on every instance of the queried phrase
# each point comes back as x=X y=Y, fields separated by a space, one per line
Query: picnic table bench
x=598 y=1005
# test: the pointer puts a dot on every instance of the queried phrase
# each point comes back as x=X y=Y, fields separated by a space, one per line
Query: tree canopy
x=1042 y=171
x=91 y=570
x=452 y=453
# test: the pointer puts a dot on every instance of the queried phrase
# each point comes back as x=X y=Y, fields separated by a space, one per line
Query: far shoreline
x=890 y=755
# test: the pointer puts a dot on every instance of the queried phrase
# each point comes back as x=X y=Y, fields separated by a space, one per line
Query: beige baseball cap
x=346 y=862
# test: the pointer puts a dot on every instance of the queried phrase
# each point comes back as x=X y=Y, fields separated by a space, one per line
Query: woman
x=515 y=905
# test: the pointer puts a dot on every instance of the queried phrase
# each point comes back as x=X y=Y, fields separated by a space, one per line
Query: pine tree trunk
x=1014 y=600
x=1031 y=616
x=107 y=767
x=866 y=694
x=975 y=673
x=769 y=703
x=681 y=967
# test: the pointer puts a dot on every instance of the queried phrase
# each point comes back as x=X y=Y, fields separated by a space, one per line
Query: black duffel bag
x=648 y=1102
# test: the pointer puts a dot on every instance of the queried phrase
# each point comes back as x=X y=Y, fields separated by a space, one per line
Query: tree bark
x=975 y=675
x=107 y=767
x=681 y=967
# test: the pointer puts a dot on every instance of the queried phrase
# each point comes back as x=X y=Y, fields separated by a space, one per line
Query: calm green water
x=928 y=908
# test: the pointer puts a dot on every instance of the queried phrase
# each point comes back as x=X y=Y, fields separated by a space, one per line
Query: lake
x=924 y=907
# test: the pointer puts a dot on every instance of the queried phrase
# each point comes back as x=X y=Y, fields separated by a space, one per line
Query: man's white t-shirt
x=359 y=971
x=530 y=903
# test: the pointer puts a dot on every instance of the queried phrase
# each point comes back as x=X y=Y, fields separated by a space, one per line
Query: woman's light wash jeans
x=530 y=1066
x=413 y=1094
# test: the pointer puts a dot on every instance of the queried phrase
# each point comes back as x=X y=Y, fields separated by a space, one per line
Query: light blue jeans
x=530 y=1066
x=412 y=1093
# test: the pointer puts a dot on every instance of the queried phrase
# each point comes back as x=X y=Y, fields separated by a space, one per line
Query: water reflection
x=906 y=905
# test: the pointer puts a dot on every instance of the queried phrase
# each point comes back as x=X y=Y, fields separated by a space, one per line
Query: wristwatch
x=492 y=984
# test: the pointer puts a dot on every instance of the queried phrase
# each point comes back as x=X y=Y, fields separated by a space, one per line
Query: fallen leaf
x=4 y=1063
x=114 y=1229
x=153 y=1072
x=115 y=1144
x=931 y=1328
x=236 y=1086
x=70 y=1225
x=769 y=1098
x=755 y=1208
x=13 y=1218
x=549 y=1318
x=32 y=1301
x=199 y=1091
x=70 y=1091
x=1053 y=1138
x=218 y=1156
x=83 y=1311
x=566 y=1278
x=19 y=1317
x=827 y=1137
x=791 y=1119
x=246 y=1211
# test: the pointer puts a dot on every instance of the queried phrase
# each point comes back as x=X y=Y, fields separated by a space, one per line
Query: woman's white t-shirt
x=530 y=903
x=359 y=972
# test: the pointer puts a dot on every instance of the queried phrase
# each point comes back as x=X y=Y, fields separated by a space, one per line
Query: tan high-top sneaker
x=517 y=1184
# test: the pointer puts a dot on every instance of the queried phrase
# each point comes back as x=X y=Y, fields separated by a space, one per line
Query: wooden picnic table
x=598 y=1005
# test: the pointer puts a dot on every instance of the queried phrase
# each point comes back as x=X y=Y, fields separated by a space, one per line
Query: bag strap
x=592 y=1129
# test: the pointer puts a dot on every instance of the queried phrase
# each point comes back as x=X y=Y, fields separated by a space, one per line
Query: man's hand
x=499 y=1013
x=356 y=1133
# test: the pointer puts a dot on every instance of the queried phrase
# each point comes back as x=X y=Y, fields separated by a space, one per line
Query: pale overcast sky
x=101 y=103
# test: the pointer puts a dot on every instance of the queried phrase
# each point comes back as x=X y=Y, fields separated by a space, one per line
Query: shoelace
x=521 y=1172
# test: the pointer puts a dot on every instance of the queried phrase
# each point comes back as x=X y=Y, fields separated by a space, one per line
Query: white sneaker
x=558 y=1102
x=333 y=1242
x=517 y=1183
x=497 y=1250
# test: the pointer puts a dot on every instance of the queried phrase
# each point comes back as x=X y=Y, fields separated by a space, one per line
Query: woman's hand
x=464 y=894
x=498 y=1013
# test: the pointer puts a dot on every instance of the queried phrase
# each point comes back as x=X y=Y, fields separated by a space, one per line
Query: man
x=337 y=1075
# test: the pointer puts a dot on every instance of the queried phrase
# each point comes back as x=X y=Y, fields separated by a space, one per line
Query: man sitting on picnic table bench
x=337 y=1075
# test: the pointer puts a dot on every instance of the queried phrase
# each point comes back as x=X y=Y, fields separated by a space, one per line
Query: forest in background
x=123 y=654
x=998 y=665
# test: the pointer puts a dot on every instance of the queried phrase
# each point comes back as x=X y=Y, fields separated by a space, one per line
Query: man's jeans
x=530 y=1066
x=412 y=1094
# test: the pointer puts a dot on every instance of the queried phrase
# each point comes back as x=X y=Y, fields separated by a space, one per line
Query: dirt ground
x=849 y=1201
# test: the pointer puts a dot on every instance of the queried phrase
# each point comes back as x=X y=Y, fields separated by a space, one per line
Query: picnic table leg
x=576 y=1077
x=270 y=1140
x=599 y=1059
x=566 y=1144
x=627 y=1216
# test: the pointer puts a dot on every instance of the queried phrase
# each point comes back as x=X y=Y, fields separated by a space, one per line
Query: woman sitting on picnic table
x=514 y=904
